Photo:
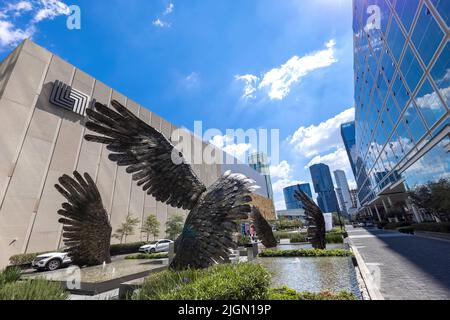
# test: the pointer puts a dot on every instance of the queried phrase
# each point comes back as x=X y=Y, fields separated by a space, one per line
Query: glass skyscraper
x=402 y=98
x=348 y=134
x=289 y=195
x=324 y=187
x=259 y=162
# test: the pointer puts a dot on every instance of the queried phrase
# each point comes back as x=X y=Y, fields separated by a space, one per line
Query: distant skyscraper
x=344 y=191
x=323 y=186
x=259 y=162
x=289 y=195
x=348 y=134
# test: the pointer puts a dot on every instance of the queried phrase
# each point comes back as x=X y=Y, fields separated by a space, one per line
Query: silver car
x=51 y=261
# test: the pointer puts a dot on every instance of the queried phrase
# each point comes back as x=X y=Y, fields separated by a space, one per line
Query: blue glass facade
x=324 y=187
x=348 y=133
x=289 y=195
x=402 y=94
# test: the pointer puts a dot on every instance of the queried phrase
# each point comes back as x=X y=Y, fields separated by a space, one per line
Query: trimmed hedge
x=443 y=227
x=294 y=237
x=36 y=289
x=147 y=256
x=285 y=293
x=125 y=248
x=306 y=253
x=395 y=225
x=22 y=260
x=407 y=230
x=244 y=281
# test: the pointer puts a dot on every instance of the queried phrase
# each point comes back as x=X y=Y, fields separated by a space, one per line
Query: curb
x=372 y=290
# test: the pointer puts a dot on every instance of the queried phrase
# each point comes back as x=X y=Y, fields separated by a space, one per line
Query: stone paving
x=405 y=267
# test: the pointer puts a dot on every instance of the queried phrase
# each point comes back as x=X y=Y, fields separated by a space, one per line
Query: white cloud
x=39 y=10
x=313 y=140
x=161 y=24
x=277 y=82
x=169 y=9
x=250 y=85
x=227 y=144
x=281 y=171
x=49 y=9
x=11 y=36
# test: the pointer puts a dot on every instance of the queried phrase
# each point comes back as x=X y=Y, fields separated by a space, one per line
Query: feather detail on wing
x=152 y=160
x=263 y=229
x=86 y=230
x=315 y=220
x=207 y=236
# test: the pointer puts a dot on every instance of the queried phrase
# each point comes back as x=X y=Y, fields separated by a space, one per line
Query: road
x=404 y=267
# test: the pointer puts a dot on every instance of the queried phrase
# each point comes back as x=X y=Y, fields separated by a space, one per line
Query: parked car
x=51 y=261
x=156 y=246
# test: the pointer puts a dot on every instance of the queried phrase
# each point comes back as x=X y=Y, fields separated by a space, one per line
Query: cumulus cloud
x=161 y=24
x=277 y=82
x=169 y=9
x=281 y=171
x=228 y=145
x=34 y=11
x=315 y=139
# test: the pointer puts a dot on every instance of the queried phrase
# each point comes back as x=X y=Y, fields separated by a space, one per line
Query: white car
x=156 y=246
x=51 y=261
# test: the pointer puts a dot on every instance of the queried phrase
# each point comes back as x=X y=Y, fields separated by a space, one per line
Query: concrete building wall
x=40 y=142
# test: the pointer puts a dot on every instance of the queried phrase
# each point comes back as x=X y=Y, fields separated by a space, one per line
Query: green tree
x=151 y=227
x=174 y=226
x=126 y=229
x=434 y=197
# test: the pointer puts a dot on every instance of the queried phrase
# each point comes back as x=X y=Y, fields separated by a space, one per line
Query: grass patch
x=306 y=253
x=285 y=293
x=9 y=275
x=334 y=237
x=147 y=256
x=244 y=281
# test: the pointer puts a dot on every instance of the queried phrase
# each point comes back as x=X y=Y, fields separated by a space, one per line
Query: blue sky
x=232 y=64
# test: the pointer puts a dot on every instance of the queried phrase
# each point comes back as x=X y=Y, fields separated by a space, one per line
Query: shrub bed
x=334 y=238
x=36 y=289
x=285 y=293
x=245 y=281
x=306 y=253
x=147 y=256
x=9 y=275
x=23 y=259
x=395 y=225
x=407 y=230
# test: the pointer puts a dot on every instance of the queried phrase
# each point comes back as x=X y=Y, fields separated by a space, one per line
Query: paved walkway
x=404 y=267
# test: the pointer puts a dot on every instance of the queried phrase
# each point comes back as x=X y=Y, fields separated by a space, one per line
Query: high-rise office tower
x=402 y=98
x=259 y=162
x=289 y=195
x=348 y=134
x=343 y=191
x=323 y=186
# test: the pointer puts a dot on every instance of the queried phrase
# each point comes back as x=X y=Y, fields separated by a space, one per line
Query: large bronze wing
x=263 y=229
x=86 y=230
x=147 y=154
x=315 y=220
x=207 y=236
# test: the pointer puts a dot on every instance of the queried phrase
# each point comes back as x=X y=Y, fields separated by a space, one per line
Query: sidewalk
x=402 y=267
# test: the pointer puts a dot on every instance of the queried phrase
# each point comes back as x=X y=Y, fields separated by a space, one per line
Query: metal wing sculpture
x=263 y=229
x=162 y=172
x=86 y=230
x=315 y=220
